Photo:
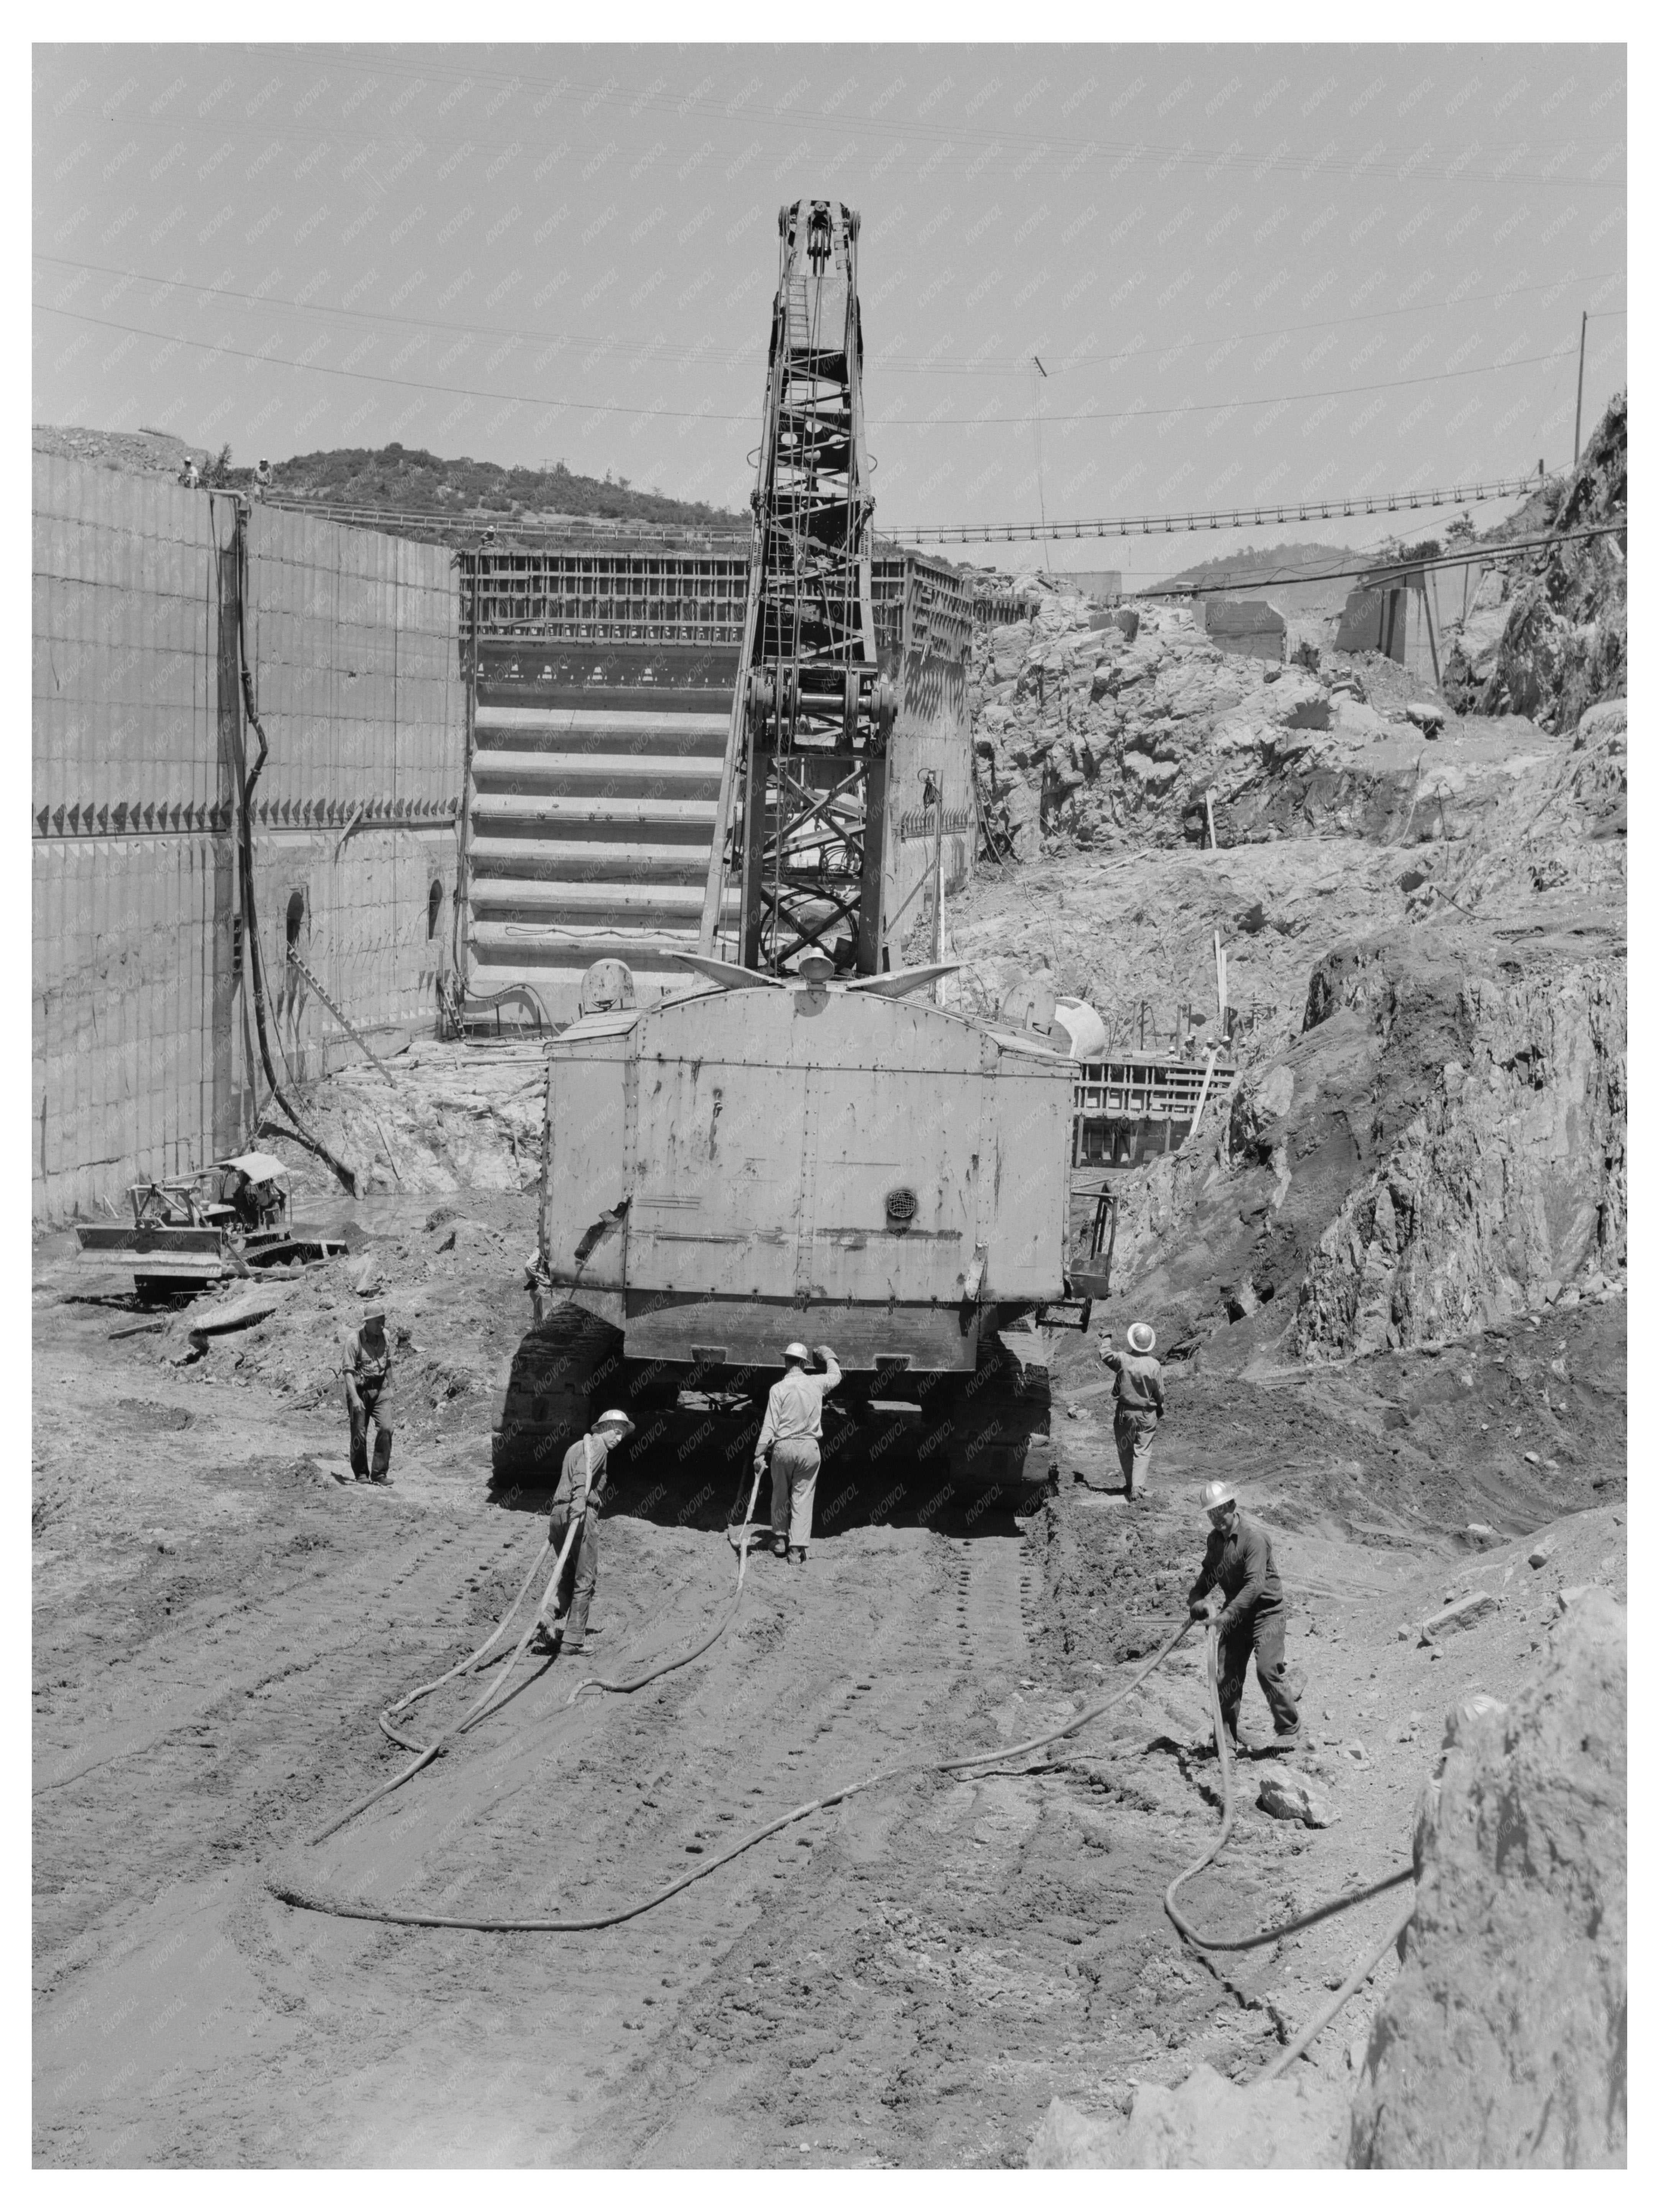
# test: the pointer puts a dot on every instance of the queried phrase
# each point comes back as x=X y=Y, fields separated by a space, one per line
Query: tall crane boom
x=800 y=820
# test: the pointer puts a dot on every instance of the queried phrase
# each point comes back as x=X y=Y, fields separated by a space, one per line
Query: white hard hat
x=1217 y=1493
x=796 y=1351
x=614 y=1419
x=1141 y=1336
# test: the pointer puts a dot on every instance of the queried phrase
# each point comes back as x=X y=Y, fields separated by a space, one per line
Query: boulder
x=1208 y=2121
x=1462 y=1612
x=1293 y=1797
x=243 y=1311
x=1502 y=2042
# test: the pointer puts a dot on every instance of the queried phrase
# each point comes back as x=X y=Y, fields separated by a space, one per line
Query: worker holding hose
x=1137 y=1402
x=577 y=1499
x=792 y=1432
x=368 y=1398
x=1238 y=1567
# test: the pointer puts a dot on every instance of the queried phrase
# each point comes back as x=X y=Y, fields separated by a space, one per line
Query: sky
x=1248 y=273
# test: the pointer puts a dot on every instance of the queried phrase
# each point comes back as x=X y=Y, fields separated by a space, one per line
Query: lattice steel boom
x=798 y=829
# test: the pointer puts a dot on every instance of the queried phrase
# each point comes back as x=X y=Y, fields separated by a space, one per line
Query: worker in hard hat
x=577 y=1499
x=368 y=1371
x=1138 y=1402
x=1238 y=1588
x=792 y=1432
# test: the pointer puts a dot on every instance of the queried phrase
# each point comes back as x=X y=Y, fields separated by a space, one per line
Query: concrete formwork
x=143 y=1045
x=603 y=696
x=922 y=629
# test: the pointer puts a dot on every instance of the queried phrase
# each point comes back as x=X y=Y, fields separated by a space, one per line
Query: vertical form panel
x=138 y=1018
x=123 y=594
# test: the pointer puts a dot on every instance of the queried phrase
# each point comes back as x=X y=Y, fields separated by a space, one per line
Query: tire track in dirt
x=224 y=1742
x=725 y=2083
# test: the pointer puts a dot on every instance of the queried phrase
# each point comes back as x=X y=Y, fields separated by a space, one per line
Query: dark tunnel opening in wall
x=289 y=987
x=434 y=899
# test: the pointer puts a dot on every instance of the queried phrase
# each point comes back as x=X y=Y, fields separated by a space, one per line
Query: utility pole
x=1036 y=434
x=1578 y=413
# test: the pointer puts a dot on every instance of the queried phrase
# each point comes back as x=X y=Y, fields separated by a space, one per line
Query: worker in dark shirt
x=1238 y=1568
x=577 y=1497
x=367 y=1370
x=1137 y=1403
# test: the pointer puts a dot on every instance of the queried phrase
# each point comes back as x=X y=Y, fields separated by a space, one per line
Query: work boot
x=797 y=1554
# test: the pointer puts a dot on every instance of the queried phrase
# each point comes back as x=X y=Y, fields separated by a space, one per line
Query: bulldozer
x=189 y=1232
x=802 y=1142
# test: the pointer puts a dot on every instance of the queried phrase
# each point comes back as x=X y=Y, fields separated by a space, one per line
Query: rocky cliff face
x=1428 y=1134
x=1107 y=733
x=1507 y=1179
x=1503 y=2041
x=1498 y=1107
x=1548 y=637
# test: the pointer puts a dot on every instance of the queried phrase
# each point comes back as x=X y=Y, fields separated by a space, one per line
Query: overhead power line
x=474 y=520
x=711 y=414
x=749 y=356
x=1384 y=565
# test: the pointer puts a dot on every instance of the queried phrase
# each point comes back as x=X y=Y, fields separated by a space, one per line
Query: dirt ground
x=906 y=1980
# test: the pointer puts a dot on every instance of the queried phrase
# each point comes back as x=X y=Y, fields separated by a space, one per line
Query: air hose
x=392 y=1713
x=313 y=1901
x=741 y=1538
x=355 y=1909
x=245 y=782
x=1327 y=2012
x=389 y=1715
x=1228 y=1813
x=476 y=1711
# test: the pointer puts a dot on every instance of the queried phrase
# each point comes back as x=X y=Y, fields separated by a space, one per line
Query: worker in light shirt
x=791 y=1432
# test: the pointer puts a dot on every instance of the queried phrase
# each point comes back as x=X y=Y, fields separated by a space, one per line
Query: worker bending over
x=368 y=1371
x=791 y=1432
x=1137 y=1402
x=577 y=1499
x=1238 y=1565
